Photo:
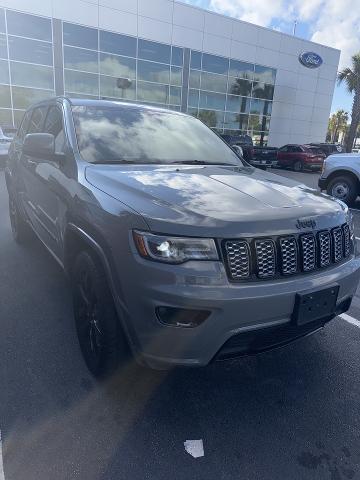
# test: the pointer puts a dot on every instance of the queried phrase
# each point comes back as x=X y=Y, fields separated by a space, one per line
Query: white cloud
x=335 y=23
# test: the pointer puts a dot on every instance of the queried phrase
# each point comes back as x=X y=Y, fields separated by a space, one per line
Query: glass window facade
x=231 y=96
x=227 y=94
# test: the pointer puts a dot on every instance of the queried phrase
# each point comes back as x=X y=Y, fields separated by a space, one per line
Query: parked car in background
x=340 y=177
x=5 y=142
x=243 y=141
x=300 y=157
x=265 y=155
x=329 y=148
x=177 y=251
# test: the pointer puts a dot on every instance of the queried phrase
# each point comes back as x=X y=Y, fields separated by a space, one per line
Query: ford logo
x=310 y=59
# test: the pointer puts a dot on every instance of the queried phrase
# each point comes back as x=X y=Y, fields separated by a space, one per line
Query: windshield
x=128 y=134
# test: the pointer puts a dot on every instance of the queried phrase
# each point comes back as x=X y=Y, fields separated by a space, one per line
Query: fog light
x=181 y=317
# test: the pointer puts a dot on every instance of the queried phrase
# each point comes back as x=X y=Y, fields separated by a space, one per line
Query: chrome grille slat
x=324 y=248
x=308 y=246
x=289 y=255
x=337 y=236
x=269 y=257
x=265 y=256
x=238 y=253
x=347 y=240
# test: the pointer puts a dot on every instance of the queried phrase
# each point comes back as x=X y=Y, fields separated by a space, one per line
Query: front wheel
x=102 y=342
x=344 y=188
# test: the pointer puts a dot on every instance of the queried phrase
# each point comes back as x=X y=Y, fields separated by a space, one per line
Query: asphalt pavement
x=288 y=414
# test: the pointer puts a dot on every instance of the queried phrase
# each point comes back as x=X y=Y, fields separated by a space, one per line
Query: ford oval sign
x=310 y=59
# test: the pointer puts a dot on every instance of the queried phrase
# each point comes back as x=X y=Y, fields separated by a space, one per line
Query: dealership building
x=235 y=76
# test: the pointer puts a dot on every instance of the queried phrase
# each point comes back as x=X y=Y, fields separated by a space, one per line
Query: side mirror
x=238 y=150
x=40 y=145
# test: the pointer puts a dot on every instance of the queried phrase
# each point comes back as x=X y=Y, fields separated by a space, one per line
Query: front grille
x=271 y=257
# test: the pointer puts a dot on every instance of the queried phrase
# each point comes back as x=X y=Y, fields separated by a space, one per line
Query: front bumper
x=237 y=310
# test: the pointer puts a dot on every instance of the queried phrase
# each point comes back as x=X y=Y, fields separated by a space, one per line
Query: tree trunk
x=355 y=120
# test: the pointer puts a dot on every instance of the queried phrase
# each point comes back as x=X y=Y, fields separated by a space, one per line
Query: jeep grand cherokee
x=178 y=252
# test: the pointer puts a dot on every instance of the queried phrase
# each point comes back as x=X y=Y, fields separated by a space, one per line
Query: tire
x=344 y=188
x=102 y=341
x=298 y=166
x=20 y=228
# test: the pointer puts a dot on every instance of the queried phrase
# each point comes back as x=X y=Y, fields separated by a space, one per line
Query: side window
x=37 y=120
x=284 y=149
x=297 y=149
x=54 y=125
x=23 y=129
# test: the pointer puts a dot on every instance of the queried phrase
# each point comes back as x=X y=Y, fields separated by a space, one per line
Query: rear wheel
x=298 y=166
x=19 y=227
x=344 y=188
x=102 y=341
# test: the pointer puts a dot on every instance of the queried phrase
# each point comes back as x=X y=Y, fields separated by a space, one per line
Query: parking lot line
x=2 y=475
x=350 y=319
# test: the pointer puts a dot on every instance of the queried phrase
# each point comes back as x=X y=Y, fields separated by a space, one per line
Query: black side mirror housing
x=238 y=150
x=39 y=145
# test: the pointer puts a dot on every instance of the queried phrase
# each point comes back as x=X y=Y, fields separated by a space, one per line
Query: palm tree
x=337 y=124
x=351 y=77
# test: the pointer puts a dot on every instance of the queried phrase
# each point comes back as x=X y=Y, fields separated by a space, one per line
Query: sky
x=335 y=23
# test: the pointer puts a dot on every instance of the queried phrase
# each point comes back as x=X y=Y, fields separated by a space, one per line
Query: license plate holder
x=315 y=304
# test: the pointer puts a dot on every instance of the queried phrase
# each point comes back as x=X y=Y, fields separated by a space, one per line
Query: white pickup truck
x=340 y=176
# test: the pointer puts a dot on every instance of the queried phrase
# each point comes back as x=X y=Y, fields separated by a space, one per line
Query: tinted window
x=261 y=107
x=4 y=71
x=37 y=120
x=236 y=121
x=32 y=75
x=177 y=56
x=30 y=51
x=176 y=76
x=28 y=25
x=211 y=81
x=81 y=82
x=315 y=150
x=5 y=116
x=283 y=149
x=175 y=95
x=153 y=72
x=212 y=101
x=116 y=43
x=117 y=66
x=54 y=125
x=261 y=90
x=79 y=59
x=109 y=88
x=3 y=47
x=24 y=97
x=259 y=123
x=238 y=104
x=193 y=100
x=238 y=86
x=158 y=52
x=265 y=74
x=241 y=69
x=2 y=20
x=149 y=136
x=194 y=80
x=152 y=92
x=79 y=36
x=5 y=99
x=195 y=60
x=214 y=64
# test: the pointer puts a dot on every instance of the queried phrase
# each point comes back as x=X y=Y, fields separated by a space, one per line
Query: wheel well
x=343 y=173
x=75 y=243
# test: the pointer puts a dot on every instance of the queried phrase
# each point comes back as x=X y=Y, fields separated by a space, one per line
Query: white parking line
x=2 y=475
x=350 y=319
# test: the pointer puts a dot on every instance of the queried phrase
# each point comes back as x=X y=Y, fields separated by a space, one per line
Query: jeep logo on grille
x=305 y=223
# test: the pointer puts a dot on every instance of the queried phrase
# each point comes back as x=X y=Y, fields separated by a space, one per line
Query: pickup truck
x=340 y=176
x=177 y=251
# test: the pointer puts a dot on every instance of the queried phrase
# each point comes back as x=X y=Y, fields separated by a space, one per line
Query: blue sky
x=323 y=21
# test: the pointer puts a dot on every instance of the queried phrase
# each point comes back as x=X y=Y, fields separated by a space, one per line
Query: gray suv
x=177 y=251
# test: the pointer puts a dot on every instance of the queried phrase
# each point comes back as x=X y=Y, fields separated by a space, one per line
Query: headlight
x=174 y=249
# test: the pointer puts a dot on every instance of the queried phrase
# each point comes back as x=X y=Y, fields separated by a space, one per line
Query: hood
x=233 y=200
